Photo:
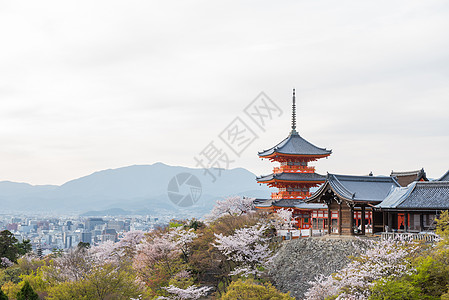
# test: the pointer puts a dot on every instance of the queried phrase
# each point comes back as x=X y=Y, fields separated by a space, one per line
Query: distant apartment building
x=86 y=237
x=91 y=223
x=12 y=226
x=68 y=240
x=109 y=235
x=116 y=224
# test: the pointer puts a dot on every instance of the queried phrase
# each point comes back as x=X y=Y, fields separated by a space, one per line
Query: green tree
x=3 y=296
x=83 y=245
x=24 y=247
x=432 y=273
x=7 y=245
x=252 y=290
x=10 y=274
x=27 y=293
x=103 y=282
x=443 y=226
x=10 y=246
x=401 y=289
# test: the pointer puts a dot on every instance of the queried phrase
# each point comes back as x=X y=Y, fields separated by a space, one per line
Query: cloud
x=93 y=85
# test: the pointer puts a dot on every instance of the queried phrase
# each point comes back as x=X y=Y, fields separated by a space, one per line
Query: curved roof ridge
x=295 y=144
x=364 y=177
x=396 y=196
x=445 y=177
x=410 y=188
x=357 y=188
x=340 y=187
x=260 y=152
x=297 y=133
x=432 y=183
x=393 y=173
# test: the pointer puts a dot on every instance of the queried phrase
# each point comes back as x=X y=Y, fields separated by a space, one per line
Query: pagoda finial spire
x=294 y=113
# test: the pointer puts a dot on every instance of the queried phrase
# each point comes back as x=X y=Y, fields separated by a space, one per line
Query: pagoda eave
x=274 y=182
x=264 y=207
x=286 y=157
x=290 y=207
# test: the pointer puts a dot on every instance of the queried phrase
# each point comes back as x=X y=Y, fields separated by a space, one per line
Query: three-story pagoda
x=294 y=177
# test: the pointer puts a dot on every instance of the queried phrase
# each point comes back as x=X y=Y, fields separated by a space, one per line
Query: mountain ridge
x=131 y=188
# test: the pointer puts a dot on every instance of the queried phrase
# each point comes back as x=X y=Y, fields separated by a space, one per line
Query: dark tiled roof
x=295 y=144
x=419 y=195
x=396 y=196
x=311 y=205
x=262 y=202
x=286 y=202
x=432 y=195
x=405 y=178
x=357 y=188
x=292 y=177
x=445 y=177
x=298 y=203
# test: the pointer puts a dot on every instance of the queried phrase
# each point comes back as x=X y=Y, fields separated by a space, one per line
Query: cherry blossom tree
x=111 y=252
x=248 y=247
x=388 y=258
x=283 y=219
x=183 y=238
x=71 y=266
x=191 y=292
x=5 y=262
x=105 y=252
x=235 y=205
x=157 y=260
x=128 y=244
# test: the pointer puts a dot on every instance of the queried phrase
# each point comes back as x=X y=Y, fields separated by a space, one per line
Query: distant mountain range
x=139 y=189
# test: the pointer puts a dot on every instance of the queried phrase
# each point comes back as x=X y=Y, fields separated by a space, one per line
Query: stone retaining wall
x=302 y=260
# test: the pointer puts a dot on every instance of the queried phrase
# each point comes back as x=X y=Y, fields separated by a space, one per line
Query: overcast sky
x=92 y=85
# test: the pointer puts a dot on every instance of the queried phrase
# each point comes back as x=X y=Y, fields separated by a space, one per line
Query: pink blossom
x=283 y=219
x=158 y=249
x=5 y=262
x=235 y=205
x=191 y=292
x=247 y=247
x=380 y=260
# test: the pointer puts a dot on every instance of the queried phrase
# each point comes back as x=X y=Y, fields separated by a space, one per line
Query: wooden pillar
x=405 y=222
x=363 y=220
x=339 y=219
x=351 y=220
x=329 y=219
x=421 y=222
x=384 y=221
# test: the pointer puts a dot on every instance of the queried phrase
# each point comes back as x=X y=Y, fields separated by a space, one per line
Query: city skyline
x=92 y=86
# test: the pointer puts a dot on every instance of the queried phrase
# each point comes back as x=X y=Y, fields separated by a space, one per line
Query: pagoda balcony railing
x=293 y=169
x=290 y=195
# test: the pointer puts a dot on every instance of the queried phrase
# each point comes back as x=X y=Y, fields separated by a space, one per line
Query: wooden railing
x=290 y=195
x=293 y=169
x=427 y=237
